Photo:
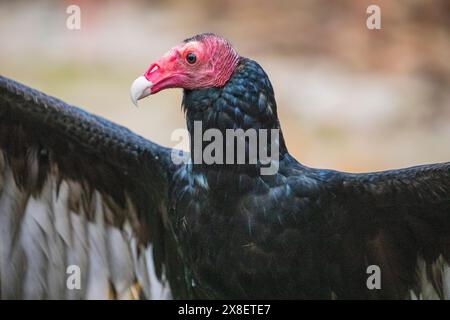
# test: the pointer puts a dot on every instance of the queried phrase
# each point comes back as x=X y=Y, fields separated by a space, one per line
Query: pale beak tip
x=140 y=88
x=135 y=101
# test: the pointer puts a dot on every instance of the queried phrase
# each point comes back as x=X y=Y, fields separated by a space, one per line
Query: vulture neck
x=235 y=128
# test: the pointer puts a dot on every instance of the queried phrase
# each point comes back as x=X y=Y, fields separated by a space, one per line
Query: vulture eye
x=191 y=58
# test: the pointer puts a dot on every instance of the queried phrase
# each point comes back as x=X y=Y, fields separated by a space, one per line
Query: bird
x=79 y=191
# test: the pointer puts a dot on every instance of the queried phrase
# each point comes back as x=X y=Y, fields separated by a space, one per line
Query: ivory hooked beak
x=140 y=88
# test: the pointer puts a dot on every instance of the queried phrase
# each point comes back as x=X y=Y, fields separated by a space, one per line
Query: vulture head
x=222 y=91
x=203 y=61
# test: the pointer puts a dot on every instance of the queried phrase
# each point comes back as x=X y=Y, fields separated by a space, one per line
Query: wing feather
x=76 y=189
x=401 y=218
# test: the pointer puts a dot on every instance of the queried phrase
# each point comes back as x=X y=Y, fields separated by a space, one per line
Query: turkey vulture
x=78 y=190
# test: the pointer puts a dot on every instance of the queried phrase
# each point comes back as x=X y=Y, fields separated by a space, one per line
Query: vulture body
x=76 y=189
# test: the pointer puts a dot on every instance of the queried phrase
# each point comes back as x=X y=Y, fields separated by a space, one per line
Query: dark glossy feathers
x=212 y=231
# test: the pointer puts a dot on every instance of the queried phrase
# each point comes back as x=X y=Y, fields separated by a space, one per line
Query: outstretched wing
x=397 y=220
x=80 y=195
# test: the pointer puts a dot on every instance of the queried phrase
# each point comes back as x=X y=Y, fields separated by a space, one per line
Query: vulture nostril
x=152 y=69
x=156 y=67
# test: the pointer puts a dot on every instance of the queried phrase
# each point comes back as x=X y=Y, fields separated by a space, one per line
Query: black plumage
x=225 y=230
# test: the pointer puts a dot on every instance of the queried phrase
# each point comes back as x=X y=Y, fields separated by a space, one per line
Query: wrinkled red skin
x=215 y=63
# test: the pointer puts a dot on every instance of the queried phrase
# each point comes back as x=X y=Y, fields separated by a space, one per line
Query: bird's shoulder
x=330 y=193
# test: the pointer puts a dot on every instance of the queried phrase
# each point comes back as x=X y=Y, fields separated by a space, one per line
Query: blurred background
x=349 y=98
